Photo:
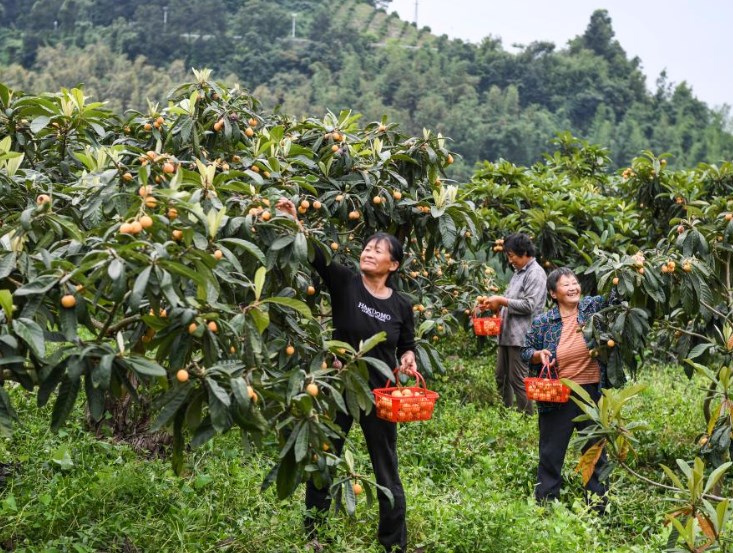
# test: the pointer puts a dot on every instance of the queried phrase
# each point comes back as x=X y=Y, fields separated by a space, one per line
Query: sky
x=691 y=39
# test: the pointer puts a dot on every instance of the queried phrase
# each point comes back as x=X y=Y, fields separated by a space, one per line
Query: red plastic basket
x=546 y=387
x=486 y=326
x=405 y=403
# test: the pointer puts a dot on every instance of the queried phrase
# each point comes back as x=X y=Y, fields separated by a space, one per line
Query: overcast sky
x=691 y=39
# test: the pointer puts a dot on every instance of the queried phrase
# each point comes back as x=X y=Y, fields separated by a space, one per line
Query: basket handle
x=547 y=370
x=418 y=377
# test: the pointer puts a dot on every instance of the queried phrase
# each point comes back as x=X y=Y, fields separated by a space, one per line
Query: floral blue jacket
x=545 y=331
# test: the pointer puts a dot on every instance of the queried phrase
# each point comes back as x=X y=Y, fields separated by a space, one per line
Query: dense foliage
x=493 y=103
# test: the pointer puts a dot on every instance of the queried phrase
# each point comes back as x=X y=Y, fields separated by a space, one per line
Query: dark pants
x=510 y=374
x=381 y=441
x=556 y=429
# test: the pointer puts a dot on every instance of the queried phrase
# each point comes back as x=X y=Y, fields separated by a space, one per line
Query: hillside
x=351 y=55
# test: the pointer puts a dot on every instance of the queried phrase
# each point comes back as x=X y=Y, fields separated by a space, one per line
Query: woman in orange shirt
x=555 y=339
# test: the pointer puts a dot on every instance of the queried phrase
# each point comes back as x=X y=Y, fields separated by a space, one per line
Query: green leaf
x=248 y=247
x=40 y=285
x=138 y=289
x=7 y=414
x=372 y=342
x=6 y=303
x=259 y=281
x=144 y=366
x=260 y=318
x=32 y=334
x=68 y=392
x=301 y=443
x=172 y=402
x=292 y=303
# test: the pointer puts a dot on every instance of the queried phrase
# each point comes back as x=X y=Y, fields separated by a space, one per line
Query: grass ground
x=468 y=474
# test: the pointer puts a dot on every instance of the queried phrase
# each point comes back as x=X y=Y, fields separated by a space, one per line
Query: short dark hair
x=520 y=244
x=555 y=275
x=395 y=247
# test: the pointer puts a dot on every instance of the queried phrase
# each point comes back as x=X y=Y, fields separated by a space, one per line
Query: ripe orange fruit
x=354 y=215
x=252 y=394
x=317 y=205
x=335 y=148
x=232 y=349
x=324 y=366
x=68 y=301
x=249 y=132
x=127 y=177
x=611 y=343
x=449 y=159
x=252 y=122
x=266 y=215
x=182 y=375
x=325 y=446
x=79 y=288
x=382 y=128
x=192 y=328
x=615 y=281
x=213 y=327
x=687 y=267
x=310 y=290
x=255 y=168
x=305 y=204
x=397 y=195
x=145 y=190
x=125 y=228
x=729 y=216
x=168 y=167
x=151 y=202
x=290 y=350
x=177 y=235
x=172 y=213
x=219 y=125
x=146 y=221
x=377 y=200
x=43 y=199
x=357 y=488
x=334 y=246
x=312 y=389
x=136 y=227
x=148 y=127
x=218 y=254
x=160 y=121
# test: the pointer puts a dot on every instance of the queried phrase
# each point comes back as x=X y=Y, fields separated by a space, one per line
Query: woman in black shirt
x=363 y=304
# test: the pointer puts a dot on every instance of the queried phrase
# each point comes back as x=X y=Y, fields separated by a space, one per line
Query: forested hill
x=357 y=55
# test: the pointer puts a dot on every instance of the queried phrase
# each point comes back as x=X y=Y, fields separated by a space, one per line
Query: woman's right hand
x=287 y=207
x=546 y=358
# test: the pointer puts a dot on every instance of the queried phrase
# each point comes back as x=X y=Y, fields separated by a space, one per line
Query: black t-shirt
x=358 y=315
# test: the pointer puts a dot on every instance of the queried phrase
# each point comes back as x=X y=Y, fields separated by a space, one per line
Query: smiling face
x=518 y=261
x=376 y=259
x=566 y=292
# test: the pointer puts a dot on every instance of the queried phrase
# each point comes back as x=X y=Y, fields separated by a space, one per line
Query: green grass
x=468 y=474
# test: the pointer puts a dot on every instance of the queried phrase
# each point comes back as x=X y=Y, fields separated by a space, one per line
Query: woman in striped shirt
x=555 y=339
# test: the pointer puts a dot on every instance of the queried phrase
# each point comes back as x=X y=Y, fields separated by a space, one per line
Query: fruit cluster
x=546 y=389
x=405 y=404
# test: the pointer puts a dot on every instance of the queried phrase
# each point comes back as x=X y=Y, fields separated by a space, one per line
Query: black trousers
x=556 y=429
x=381 y=441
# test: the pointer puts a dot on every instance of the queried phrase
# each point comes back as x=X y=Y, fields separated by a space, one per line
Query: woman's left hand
x=408 y=363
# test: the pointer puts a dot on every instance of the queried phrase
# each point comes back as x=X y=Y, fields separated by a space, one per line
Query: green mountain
x=306 y=57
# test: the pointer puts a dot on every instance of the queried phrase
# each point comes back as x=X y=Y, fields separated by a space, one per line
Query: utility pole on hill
x=416 y=14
